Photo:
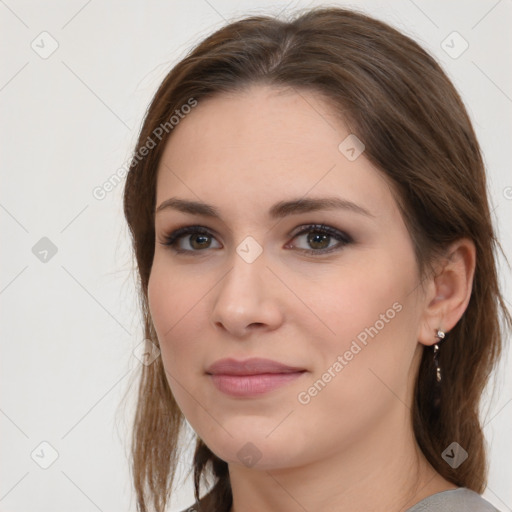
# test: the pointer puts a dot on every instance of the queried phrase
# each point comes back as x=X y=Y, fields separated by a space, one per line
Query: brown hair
x=399 y=102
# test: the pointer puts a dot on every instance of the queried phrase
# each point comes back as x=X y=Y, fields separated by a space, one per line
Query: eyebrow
x=278 y=210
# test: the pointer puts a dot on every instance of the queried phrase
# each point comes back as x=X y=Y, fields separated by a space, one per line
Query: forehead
x=263 y=145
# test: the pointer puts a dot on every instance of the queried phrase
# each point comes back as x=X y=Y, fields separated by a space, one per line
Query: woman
x=309 y=216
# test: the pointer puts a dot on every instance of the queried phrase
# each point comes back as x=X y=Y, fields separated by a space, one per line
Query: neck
x=381 y=471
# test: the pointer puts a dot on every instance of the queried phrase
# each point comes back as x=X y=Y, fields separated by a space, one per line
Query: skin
x=352 y=446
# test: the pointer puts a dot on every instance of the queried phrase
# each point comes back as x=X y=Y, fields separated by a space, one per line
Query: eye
x=199 y=239
x=320 y=237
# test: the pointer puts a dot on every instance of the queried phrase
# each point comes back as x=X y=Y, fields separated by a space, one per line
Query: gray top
x=454 y=500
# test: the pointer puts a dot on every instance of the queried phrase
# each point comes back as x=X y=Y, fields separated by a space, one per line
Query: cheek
x=361 y=371
x=171 y=306
x=368 y=314
x=354 y=298
x=175 y=307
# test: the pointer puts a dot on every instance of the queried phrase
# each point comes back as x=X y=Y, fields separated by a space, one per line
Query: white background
x=68 y=123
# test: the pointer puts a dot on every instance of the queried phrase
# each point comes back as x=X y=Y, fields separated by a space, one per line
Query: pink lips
x=251 y=377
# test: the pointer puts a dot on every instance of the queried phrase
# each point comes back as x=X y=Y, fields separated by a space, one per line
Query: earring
x=440 y=336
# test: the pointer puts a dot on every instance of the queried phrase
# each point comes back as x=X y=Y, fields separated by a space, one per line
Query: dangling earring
x=440 y=336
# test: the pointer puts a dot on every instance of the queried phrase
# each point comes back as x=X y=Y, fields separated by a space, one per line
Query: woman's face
x=343 y=309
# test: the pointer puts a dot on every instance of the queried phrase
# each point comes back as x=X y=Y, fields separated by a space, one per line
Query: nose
x=248 y=298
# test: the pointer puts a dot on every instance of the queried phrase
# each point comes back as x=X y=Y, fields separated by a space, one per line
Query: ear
x=448 y=291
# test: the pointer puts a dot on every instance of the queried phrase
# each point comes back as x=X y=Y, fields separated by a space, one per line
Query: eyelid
x=299 y=230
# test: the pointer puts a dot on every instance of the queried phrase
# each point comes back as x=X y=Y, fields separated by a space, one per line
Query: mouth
x=252 y=366
x=251 y=377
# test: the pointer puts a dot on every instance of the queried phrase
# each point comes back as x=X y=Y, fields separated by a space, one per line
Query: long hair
x=396 y=98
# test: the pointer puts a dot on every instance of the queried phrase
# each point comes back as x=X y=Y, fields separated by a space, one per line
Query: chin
x=255 y=452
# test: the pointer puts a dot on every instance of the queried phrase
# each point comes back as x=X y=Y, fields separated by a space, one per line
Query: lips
x=253 y=366
x=251 y=377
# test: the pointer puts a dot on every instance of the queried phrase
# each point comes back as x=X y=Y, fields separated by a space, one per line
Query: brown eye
x=197 y=238
x=199 y=241
x=319 y=238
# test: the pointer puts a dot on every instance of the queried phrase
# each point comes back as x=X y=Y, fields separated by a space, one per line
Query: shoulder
x=206 y=504
x=195 y=508
x=454 y=500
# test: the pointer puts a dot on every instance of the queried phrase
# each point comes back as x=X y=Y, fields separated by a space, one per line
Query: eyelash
x=172 y=239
